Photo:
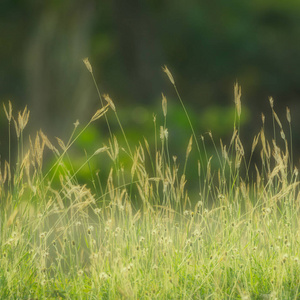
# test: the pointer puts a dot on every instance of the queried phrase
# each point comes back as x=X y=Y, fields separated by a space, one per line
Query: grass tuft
x=140 y=233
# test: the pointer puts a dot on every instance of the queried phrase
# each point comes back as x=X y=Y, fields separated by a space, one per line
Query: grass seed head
x=237 y=98
x=9 y=112
x=164 y=105
x=109 y=101
x=271 y=100
x=263 y=118
x=87 y=64
x=166 y=70
x=99 y=113
x=288 y=115
x=189 y=147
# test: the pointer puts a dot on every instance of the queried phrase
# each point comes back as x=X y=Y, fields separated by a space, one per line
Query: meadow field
x=139 y=233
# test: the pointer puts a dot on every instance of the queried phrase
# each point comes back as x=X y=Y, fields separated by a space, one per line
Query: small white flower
x=43 y=282
x=43 y=235
x=103 y=276
x=94 y=256
x=97 y=211
x=188 y=242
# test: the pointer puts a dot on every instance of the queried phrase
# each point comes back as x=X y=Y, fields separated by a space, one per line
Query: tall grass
x=138 y=234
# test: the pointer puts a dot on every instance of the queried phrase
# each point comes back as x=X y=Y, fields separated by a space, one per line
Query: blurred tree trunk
x=56 y=80
x=139 y=47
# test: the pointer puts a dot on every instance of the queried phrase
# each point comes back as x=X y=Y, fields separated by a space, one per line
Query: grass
x=140 y=234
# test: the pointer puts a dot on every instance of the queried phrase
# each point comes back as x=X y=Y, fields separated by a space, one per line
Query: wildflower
x=45 y=253
x=43 y=282
x=43 y=235
x=80 y=273
x=196 y=233
x=94 y=256
x=188 y=242
x=199 y=203
x=221 y=197
x=163 y=133
x=145 y=252
x=90 y=229
x=103 y=276
x=97 y=211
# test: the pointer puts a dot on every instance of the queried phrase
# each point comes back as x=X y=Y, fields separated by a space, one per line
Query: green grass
x=140 y=234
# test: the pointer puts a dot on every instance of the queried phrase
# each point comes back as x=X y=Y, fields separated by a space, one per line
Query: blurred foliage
x=207 y=45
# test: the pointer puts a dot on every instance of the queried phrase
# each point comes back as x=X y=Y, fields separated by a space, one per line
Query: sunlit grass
x=139 y=234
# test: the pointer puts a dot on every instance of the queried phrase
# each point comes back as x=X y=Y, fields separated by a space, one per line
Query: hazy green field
x=140 y=234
